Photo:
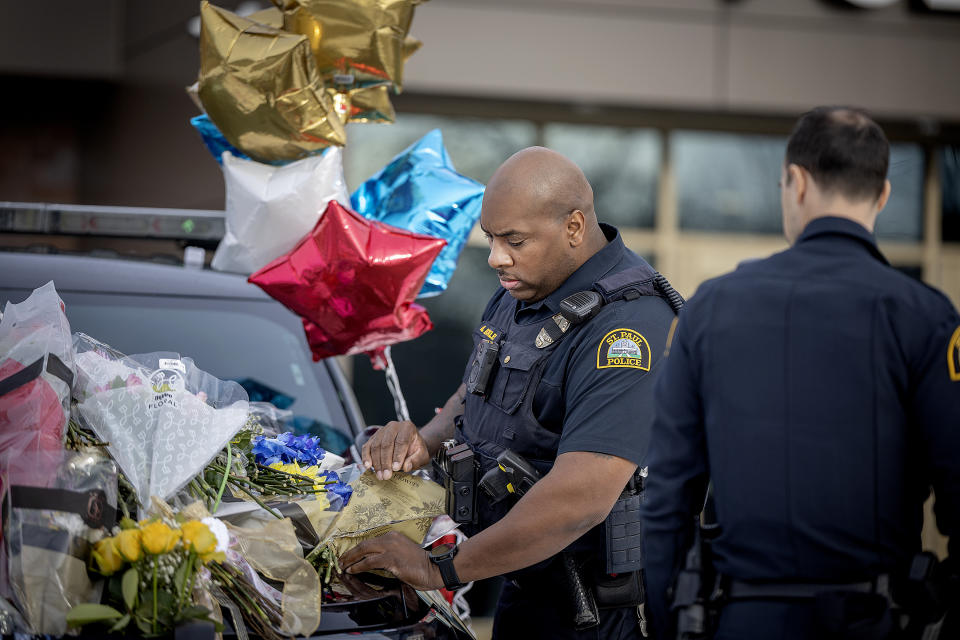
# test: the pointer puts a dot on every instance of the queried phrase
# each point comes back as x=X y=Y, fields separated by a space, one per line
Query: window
x=950 y=192
x=902 y=218
x=727 y=182
x=622 y=165
x=229 y=339
x=477 y=147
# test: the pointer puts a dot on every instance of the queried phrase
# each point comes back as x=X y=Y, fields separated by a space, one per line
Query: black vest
x=504 y=418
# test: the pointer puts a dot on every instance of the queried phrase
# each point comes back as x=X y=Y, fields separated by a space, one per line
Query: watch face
x=441 y=550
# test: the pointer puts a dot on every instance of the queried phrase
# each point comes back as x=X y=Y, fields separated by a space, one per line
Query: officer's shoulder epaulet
x=638 y=279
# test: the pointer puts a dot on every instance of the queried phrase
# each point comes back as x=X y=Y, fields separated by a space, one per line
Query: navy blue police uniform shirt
x=595 y=404
x=820 y=391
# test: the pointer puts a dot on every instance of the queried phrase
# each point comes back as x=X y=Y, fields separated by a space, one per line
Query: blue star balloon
x=214 y=140
x=420 y=191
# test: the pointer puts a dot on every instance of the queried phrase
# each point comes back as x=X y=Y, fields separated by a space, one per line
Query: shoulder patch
x=953 y=356
x=623 y=348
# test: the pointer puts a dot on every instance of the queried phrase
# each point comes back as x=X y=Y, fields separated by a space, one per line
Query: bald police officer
x=576 y=405
x=819 y=391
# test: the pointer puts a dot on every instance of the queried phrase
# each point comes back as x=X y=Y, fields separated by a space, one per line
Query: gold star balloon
x=352 y=103
x=366 y=39
x=261 y=88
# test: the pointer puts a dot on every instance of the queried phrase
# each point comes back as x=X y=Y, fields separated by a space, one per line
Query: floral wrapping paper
x=164 y=418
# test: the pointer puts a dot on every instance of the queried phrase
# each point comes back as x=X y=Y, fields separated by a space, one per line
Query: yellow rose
x=198 y=537
x=158 y=538
x=107 y=557
x=128 y=544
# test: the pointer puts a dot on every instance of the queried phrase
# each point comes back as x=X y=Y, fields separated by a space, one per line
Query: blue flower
x=287 y=448
x=336 y=487
x=266 y=451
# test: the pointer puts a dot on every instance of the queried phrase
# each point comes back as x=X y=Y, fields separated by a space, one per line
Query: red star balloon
x=353 y=282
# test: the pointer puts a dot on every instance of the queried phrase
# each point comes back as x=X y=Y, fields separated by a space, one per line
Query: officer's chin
x=526 y=296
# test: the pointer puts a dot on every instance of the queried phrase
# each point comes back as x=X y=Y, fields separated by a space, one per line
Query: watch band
x=445 y=563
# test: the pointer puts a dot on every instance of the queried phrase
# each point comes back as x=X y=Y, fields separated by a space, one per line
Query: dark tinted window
x=231 y=339
x=950 y=192
x=622 y=165
x=728 y=182
x=477 y=147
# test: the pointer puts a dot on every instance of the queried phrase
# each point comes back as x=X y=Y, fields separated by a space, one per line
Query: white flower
x=219 y=529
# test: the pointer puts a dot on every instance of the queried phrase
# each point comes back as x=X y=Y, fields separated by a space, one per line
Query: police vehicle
x=229 y=327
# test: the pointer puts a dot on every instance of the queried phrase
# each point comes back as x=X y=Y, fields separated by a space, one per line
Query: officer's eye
x=515 y=243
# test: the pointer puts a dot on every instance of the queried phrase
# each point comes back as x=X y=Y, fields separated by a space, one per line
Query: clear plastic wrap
x=164 y=418
x=36 y=370
x=50 y=528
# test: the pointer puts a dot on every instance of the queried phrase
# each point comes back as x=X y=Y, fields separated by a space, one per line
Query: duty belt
x=740 y=590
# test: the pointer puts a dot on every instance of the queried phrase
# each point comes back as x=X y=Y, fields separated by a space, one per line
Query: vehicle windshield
x=231 y=339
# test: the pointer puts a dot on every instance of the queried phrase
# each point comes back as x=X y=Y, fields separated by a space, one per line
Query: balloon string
x=393 y=384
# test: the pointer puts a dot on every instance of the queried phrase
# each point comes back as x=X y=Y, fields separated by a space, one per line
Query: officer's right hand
x=394 y=447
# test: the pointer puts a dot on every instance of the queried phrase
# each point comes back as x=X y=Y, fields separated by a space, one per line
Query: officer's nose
x=498 y=258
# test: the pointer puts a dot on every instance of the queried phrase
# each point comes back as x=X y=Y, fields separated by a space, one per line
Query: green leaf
x=114 y=589
x=88 y=612
x=131 y=582
x=144 y=625
x=165 y=601
x=180 y=576
x=128 y=523
x=121 y=624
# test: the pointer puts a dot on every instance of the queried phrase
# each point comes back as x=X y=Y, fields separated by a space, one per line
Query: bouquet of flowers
x=153 y=570
x=57 y=504
x=163 y=419
x=263 y=469
x=36 y=370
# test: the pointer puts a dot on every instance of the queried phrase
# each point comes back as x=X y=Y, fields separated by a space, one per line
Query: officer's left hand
x=395 y=553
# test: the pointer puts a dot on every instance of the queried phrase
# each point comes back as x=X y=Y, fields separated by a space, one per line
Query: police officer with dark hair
x=818 y=392
x=570 y=394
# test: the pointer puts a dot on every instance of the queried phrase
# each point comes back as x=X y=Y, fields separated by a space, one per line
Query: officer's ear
x=799 y=182
x=884 y=196
x=575 y=227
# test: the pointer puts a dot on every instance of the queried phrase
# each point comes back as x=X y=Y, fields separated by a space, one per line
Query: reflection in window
x=622 y=165
x=477 y=147
x=727 y=182
x=950 y=186
x=902 y=218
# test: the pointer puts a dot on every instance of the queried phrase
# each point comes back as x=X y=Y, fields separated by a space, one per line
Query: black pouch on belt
x=620 y=590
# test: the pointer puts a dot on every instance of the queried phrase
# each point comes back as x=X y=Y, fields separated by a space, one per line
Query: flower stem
x=188 y=590
x=180 y=594
x=261 y=503
x=154 y=624
x=223 y=483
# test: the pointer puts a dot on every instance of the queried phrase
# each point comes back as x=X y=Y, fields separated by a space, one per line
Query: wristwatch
x=442 y=556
